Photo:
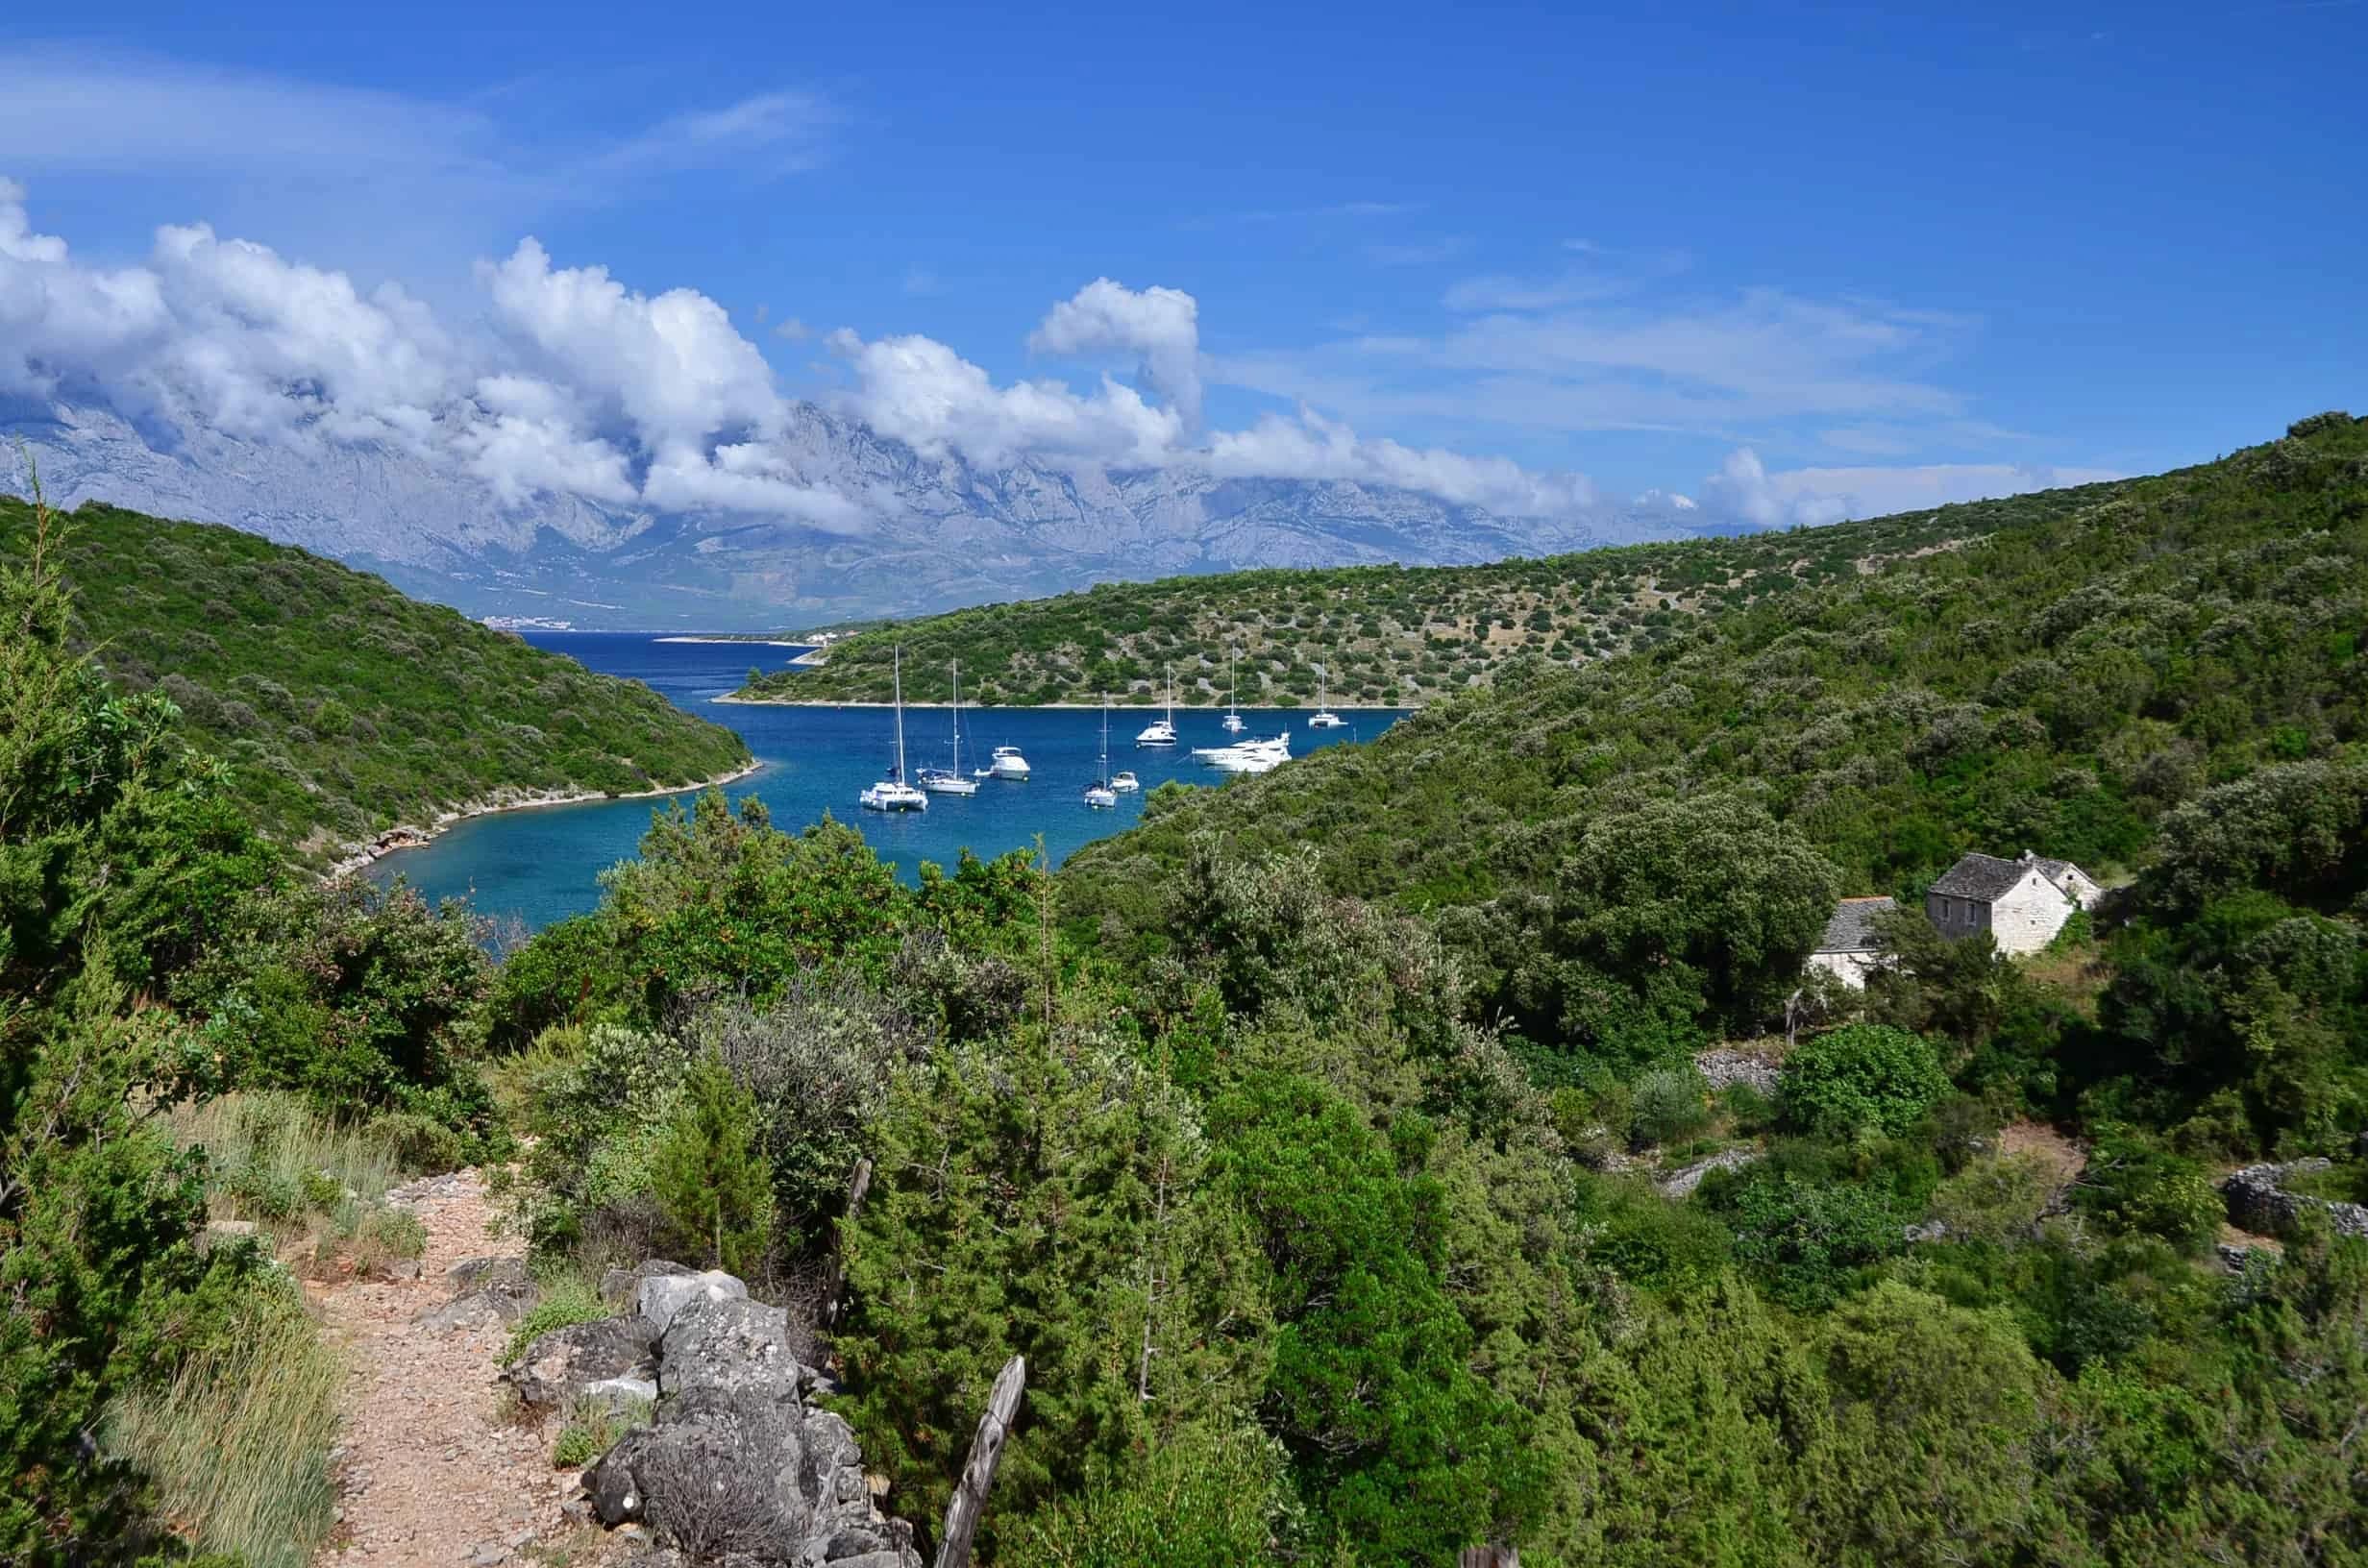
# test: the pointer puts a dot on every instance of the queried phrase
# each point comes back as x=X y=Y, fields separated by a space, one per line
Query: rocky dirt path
x=429 y=1474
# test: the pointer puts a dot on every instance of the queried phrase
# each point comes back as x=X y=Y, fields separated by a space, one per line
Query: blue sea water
x=543 y=865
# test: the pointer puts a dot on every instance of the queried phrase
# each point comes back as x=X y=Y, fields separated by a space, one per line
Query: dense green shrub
x=1670 y=1104
x=1212 y=1495
x=708 y=1171
x=1862 y=1076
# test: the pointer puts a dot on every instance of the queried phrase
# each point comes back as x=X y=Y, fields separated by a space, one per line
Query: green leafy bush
x=2134 y=1184
x=709 y=1174
x=1670 y=1104
x=1862 y=1076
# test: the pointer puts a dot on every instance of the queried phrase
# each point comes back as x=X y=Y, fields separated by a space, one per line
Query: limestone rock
x=737 y=1466
x=2258 y=1200
x=733 y=1345
x=495 y=1289
x=571 y=1361
x=658 y=1297
x=618 y=1285
x=1681 y=1183
x=1725 y=1066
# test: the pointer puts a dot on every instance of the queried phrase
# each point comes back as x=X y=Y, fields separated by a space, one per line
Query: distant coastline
x=405 y=836
x=750 y=642
x=1116 y=709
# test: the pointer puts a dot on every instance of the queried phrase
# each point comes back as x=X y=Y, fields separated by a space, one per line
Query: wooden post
x=858 y=1184
x=970 y=1497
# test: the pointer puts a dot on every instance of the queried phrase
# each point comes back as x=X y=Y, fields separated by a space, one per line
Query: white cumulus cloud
x=1162 y=325
x=572 y=384
x=918 y=391
x=1311 y=447
x=1744 y=491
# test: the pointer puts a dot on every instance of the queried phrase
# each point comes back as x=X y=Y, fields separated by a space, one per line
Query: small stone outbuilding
x=1847 y=951
x=2022 y=903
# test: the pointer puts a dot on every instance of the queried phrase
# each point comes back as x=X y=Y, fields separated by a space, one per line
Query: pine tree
x=710 y=1176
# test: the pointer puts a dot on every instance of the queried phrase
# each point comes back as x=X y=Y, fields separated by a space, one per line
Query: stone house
x=1847 y=950
x=2021 y=903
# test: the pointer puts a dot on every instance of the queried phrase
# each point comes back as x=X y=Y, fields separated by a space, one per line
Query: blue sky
x=1854 y=241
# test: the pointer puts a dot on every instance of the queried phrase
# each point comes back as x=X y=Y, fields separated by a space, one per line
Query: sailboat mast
x=957 y=716
x=899 y=677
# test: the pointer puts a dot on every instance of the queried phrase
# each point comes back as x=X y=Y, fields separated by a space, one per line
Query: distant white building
x=2021 y=903
x=1848 y=950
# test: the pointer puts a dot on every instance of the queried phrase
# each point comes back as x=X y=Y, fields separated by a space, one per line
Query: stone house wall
x=1955 y=917
x=2022 y=919
x=1851 y=969
x=2027 y=916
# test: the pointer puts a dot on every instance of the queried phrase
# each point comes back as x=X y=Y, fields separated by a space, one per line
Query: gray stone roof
x=2056 y=871
x=1981 y=877
x=1852 y=929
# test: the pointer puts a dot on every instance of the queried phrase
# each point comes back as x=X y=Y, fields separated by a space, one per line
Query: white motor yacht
x=1162 y=731
x=893 y=794
x=1246 y=756
x=1323 y=717
x=1005 y=762
x=950 y=780
x=1125 y=783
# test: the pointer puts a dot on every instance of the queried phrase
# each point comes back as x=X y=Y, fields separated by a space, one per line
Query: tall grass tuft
x=274 y=1160
x=237 y=1443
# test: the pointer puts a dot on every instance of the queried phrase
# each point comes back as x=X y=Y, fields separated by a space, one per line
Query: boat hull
x=892 y=798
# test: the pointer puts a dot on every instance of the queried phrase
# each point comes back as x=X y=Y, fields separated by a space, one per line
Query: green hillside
x=342 y=707
x=2088 y=661
x=1395 y=636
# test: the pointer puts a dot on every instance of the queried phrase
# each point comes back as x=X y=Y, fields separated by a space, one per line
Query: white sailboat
x=893 y=794
x=1162 y=731
x=1323 y=717
x=1232 y=724
x=1099 y=795
x=950 y=780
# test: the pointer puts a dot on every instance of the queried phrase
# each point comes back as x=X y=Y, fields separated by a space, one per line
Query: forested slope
x=2081 y=664
x=1327 y=1231
x=1397 y=636
x=341 y=706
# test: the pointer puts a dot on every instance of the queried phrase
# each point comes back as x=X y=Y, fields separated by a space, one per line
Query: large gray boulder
x=738 y=1472
x=732 y=1344
x=736 y=1463
x=658 y=1297
x=612 y=1359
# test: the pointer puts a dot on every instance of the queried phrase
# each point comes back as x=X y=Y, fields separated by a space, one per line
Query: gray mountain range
x=944 y=533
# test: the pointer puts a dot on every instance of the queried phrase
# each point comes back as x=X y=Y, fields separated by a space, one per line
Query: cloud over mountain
x=569 y=402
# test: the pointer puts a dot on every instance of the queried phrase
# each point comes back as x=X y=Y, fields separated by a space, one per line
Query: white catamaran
x=893 y=794
x=950 y=780
x=1100 y=794
x=1162 y=731
x=1323 y=717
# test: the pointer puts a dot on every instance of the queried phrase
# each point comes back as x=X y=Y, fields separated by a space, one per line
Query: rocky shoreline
x=407 y=836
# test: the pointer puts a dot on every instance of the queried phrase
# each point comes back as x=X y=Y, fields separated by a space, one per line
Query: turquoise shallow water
x=542 y=865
